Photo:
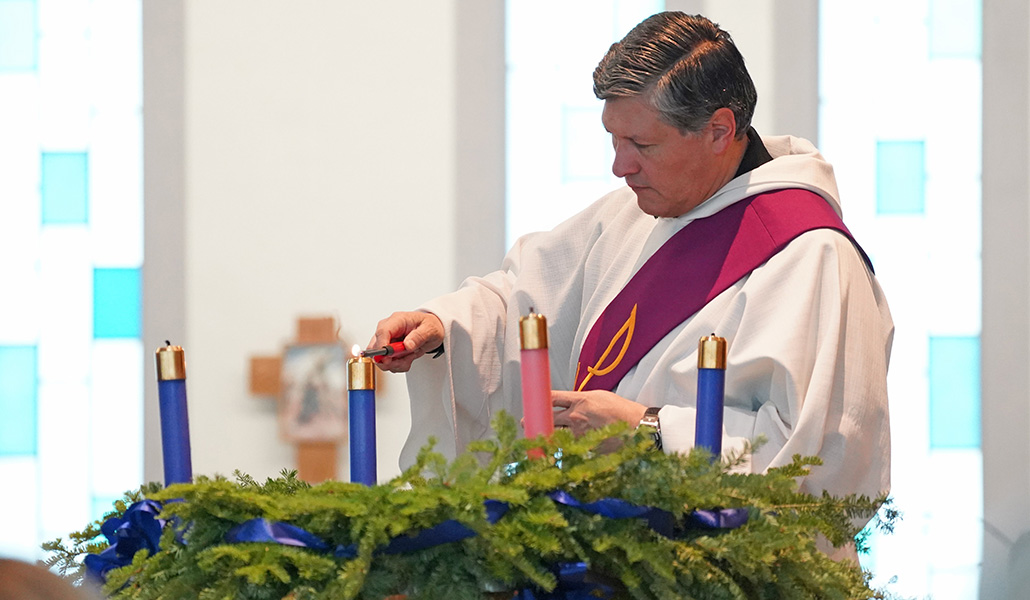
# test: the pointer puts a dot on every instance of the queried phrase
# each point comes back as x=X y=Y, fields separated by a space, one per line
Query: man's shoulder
x=832 y=247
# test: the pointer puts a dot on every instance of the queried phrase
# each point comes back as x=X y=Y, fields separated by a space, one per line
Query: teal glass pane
x=65 y=187
x=18 y=36
x=19 y=393
x=103 y=505
x=117 y=304
x=956 y=28
x=900 y=177
x=954 y=392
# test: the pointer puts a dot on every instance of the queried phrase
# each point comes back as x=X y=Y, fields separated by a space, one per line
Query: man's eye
x=631 y=142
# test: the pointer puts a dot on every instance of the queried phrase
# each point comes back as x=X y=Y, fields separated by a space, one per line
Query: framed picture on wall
x=313 y=402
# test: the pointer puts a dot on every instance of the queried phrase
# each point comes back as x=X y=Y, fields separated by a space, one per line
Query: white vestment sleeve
x=449 y=395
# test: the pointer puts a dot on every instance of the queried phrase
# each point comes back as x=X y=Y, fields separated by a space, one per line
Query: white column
x=1006 y=299
x=480 y=120
x=164 y=189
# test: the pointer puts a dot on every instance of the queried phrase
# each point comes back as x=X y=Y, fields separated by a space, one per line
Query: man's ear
x=723 y=129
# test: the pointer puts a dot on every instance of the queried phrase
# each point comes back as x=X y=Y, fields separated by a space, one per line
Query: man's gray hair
x=687 y=67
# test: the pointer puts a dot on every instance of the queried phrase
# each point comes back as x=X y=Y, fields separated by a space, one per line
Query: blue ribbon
x=276 y=532
x=726 y=518
x=265 y=531
x=444 y=533
x=575 y=582
x=661 y=521
x=138 y=529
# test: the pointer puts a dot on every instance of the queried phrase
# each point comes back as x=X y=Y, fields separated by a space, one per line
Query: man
x=808 y=329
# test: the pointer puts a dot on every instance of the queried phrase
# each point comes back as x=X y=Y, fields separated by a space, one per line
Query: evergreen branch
x=772 y=556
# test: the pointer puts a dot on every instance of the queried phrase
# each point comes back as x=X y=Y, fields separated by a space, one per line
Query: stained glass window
x=18 y=400
x=900 y=120
x=18 y=48
x=900 y=177
x=71 y=358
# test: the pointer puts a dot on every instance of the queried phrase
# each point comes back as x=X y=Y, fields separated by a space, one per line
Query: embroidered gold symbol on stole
x=626 y=332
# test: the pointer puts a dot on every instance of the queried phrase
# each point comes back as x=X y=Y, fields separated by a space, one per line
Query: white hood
x=796 y=164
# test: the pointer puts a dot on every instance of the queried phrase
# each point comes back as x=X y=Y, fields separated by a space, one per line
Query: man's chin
x=658 y=206
x=650 y=207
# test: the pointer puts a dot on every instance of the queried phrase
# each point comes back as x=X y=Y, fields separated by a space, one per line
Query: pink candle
x=538 y=416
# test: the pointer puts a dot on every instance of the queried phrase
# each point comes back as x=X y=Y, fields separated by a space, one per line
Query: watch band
x=650 y=419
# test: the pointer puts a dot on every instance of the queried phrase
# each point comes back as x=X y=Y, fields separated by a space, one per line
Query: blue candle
x=175 y=424
x=711 y=382
x=361 y=398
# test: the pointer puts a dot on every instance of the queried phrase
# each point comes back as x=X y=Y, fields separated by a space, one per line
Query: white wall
x=318 y=154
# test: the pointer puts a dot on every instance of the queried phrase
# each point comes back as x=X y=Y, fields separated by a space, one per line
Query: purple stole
x=694 y=266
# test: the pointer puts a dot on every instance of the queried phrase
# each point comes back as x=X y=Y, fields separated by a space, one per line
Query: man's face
x=670 y=172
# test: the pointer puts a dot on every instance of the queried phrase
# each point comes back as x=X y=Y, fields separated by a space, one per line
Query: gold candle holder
x=361 y=373
x=171 y=363
x=533 y=331
x=711 y=352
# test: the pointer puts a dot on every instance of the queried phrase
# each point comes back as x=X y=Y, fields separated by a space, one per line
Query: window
x=71 y=234
x=900 y=120
x=558 y=154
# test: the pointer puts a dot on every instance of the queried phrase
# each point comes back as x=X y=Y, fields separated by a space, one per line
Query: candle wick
x=168 y=342
x=531 y=311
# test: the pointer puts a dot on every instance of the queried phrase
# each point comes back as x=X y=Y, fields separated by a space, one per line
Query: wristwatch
x=651 y=420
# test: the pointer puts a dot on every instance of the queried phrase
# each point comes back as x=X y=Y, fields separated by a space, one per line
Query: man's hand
x=584 y=411
x=420 y=331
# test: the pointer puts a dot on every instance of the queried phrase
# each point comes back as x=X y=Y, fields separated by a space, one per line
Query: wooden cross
x=308 y=381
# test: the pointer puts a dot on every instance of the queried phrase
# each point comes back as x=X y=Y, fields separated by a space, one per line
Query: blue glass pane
x=18 y=47
x=18 y=396
x=116 y=303
x=954 y=392
x=900 y=177
x=956 y=28
x=65 y=187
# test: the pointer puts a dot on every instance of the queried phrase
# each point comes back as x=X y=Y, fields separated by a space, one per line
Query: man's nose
x=625 y=162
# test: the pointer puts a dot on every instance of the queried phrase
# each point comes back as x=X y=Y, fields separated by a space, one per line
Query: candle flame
x=355 y=350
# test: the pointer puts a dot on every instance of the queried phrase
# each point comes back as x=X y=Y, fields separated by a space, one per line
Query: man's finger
x=560 y=420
